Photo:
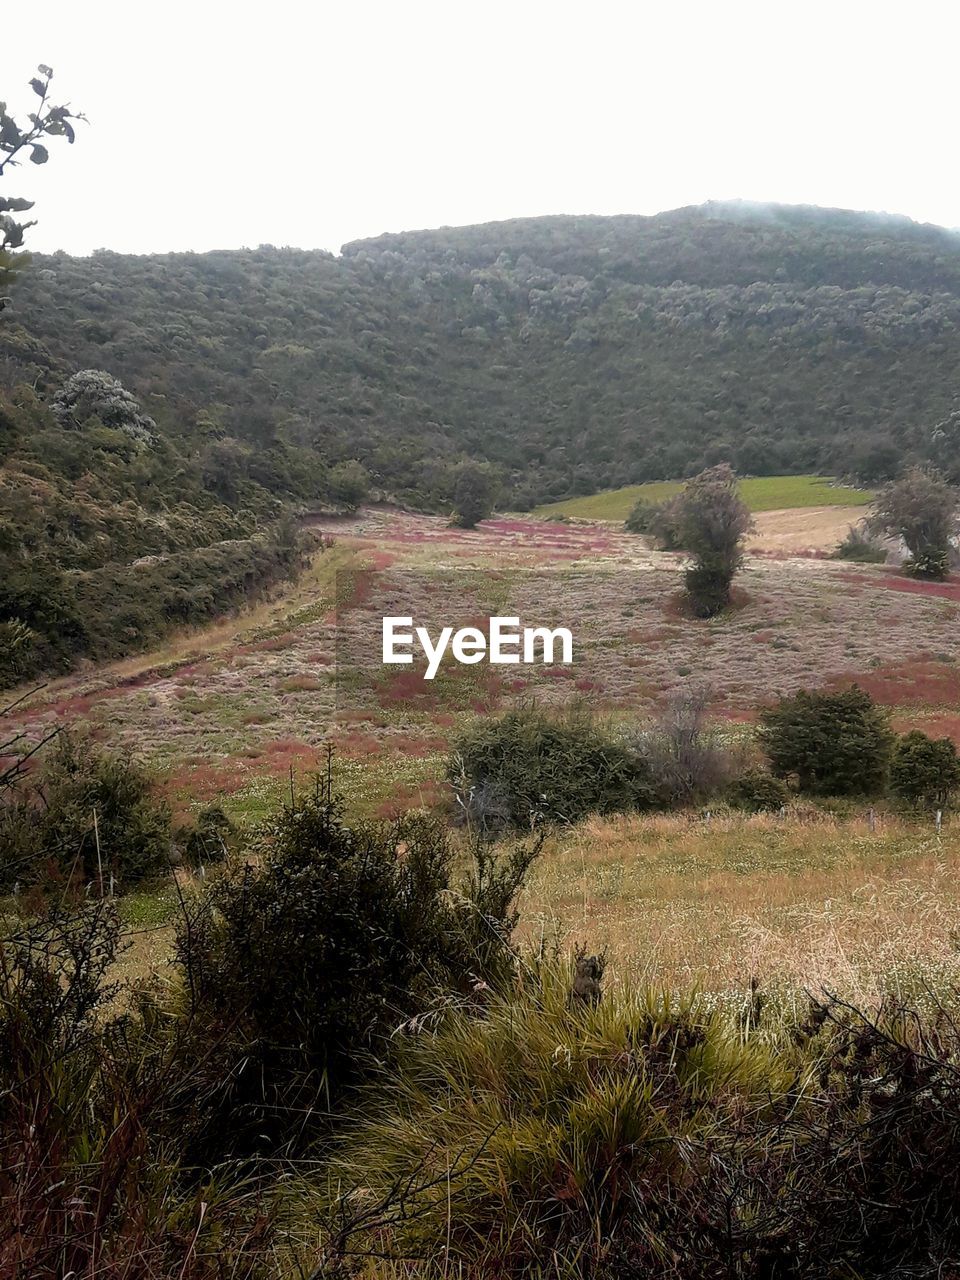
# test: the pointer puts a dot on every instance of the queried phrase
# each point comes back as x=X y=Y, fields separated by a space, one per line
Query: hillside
x=578 y=353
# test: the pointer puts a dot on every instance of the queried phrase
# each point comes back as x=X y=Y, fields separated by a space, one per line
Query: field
x=761 y=493
x=245 y=710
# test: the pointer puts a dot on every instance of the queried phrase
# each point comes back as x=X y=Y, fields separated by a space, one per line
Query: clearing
x=240 y=711
x=760 y=493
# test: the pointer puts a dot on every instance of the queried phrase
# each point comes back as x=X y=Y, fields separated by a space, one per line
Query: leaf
x=39 y=154
x=11 y=204
x=45 y=71
x=38 y=87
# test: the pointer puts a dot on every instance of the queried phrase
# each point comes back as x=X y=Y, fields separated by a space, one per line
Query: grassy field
x=762 y=493
x=238 y=713
x=802 y=901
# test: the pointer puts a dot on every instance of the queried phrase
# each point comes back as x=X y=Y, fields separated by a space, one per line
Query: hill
x=577 y=353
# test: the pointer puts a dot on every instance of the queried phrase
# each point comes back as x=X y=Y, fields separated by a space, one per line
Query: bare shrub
x=686 y=761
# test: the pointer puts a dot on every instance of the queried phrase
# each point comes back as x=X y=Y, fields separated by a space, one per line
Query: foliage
x=91 y=1184
x=686 y=761
x=574 y=354
x=474 y=493
x=833 y=743
x=92 y=393
x=348 y=483
x=924 y=771
x=758 y=791
x=921 y=508
x=85 y=814
x=47 y=121
x=529 y=767
x=654 y=1137
x=302 y=966
x=711 y=521
x=860 y=544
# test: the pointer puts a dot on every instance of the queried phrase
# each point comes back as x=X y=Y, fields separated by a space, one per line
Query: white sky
x=215 y=125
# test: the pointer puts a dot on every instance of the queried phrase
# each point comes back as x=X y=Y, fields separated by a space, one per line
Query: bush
x=685 y=760
x=47 y=825
x=475 y=489
x=712 y=520
x=301 y=968
x=758 y=791
x=921 y=508
x=643 y=517
x=348 y=483
x=529 y=767
x=653 y=1138
x=861 y=546
x=836 y=744
x=91 y=1185
x=924 y=771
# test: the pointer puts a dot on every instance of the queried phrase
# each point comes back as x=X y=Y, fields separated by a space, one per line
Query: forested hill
x=577 y=353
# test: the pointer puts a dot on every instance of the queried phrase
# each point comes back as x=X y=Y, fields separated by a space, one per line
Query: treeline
x=574 y=354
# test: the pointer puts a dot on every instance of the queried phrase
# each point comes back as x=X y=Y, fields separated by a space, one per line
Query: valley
x=239 y=713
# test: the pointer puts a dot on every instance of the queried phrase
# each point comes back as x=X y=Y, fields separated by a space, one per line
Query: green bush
x=530 y=767
x=924 y=771
x=758 y=791
x=835 y=744
x=48 y=827
x=861 y=546
x=299 y=969
x=651 y=1137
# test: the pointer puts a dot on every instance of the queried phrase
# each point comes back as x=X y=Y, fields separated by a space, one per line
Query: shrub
x=208 y=840
x=91 y=1184
x=924 y=771
x=349 y=483
x=711 y=521
x=834 y=743
x=642 y=517
x=304 y=965
x=530 y=767
x=474 y=493
x=758 y=791
x=651 y=1137
x=921 y=508
x=47 y=824
x=860 y=545
x=685 y=760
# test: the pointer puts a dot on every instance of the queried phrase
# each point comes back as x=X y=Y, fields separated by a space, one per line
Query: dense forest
x=218 y=391
x=575 y=353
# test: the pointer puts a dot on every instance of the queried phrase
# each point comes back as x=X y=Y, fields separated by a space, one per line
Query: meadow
x=242 y=712
x=760 y=493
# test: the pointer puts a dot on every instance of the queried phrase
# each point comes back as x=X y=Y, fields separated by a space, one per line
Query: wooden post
x=939 y=820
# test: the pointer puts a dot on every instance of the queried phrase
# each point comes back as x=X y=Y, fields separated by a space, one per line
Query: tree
x=712 y=519
x=46 y=122
x=924 y=771
x=92 y=393
x=835 y=744
x=348 y=483
x=920 y=508
x=474 y=492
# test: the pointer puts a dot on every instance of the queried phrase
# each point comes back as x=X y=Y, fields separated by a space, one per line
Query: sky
x=215 y=125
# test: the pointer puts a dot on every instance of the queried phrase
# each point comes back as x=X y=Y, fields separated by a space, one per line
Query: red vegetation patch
x=423 y=795
x=920 y=683
x=949 y=590
x=357 y=746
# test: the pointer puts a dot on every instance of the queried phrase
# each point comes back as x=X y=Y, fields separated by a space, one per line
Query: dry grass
x=805 y=901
